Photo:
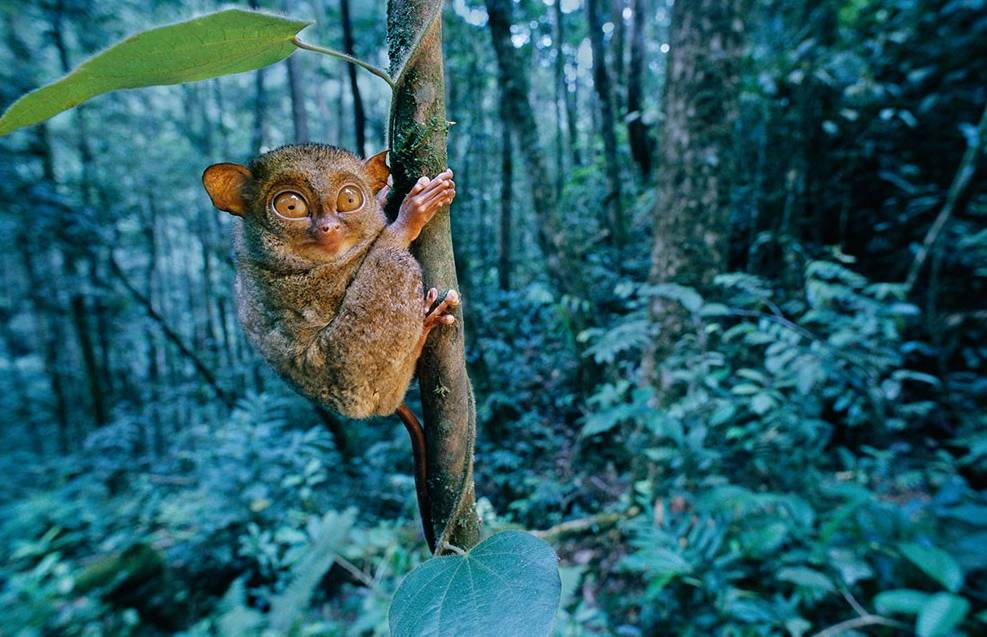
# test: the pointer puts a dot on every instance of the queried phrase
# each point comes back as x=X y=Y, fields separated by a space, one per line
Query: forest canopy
x=724 y=278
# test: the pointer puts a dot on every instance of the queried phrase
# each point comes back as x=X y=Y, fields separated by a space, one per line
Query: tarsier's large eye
x=349 y=198
x=290 y=205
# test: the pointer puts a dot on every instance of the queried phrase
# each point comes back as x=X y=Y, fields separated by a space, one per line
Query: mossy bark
x=418 y=147
x=694 y=170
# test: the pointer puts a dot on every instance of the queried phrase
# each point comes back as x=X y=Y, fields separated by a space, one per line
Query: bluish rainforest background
x=715 y=367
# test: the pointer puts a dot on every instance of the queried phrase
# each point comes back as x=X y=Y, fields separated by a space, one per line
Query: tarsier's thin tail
x=417 y=435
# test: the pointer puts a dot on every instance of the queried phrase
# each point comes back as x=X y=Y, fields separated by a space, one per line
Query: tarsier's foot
x=424 y=199
x=439 y=315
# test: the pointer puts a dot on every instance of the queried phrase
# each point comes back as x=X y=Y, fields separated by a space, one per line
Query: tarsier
x=326 y=288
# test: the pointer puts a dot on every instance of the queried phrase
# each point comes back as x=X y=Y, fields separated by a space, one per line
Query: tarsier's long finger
x=450 y=301
x=439 y=183
x=420 y=185
x=439 y=196
x=445 y=175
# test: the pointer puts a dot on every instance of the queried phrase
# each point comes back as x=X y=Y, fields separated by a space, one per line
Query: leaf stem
x=445 y=546
x=347 y=58
x=860 y=622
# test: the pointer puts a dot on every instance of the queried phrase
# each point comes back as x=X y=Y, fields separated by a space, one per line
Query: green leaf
x=806 y=578
x=762 y=403
x=329 y=538
x=941 y=614
x=903 y=600
x=936 y=563
x=657 y=561
x=506 y=585
x=223 y=43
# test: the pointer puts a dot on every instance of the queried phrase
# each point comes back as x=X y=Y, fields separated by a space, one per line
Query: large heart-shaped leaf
x=508 y=585
x=222 y=43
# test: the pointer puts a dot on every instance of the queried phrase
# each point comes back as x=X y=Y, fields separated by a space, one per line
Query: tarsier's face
x=317 y=201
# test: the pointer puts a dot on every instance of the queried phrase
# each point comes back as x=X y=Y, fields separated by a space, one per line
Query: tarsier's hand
x=426 y=197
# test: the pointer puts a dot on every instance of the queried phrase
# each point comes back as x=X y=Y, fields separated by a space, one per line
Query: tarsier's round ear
x=377 y=170
x=224 y=183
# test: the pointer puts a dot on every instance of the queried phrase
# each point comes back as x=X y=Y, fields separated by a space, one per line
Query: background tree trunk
x=604 y=93
x=506 y=199
x=701 y=90
x=617 y=46
x=73 y=253
x=568 y=97
x=418 y=147
x=638 y=133
x=258 y=133
x=51 y=333
x=359 y=116
x=260 y=106
x=299 y=118
x=513 y=80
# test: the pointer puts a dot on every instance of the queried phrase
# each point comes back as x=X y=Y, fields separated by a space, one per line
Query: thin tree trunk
x=418 y=143
x=22 y=411
x=153 y=406
x=80 y=323
x=78 y=307
x=298 y=116
x=559 y=135
x=45 y=309
x=701 y=92
x=52 y=337
x=359 y=117
x=514 y=82
x=506 y=203
x=568 y=97
x=258 y=133
x=617 y=45
x=604 y=93
x=340 y=115
x=961 y=181
x=638 y=132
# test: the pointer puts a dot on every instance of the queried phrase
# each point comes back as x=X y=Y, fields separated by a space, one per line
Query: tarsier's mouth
x=328 y=247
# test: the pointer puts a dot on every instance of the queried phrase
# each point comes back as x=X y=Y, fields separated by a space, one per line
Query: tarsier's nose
x=327 y=226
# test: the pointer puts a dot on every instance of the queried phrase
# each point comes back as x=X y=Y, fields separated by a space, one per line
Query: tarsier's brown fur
x=333 y=299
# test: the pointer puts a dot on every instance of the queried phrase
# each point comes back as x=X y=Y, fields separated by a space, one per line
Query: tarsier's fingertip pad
x=452 y=297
